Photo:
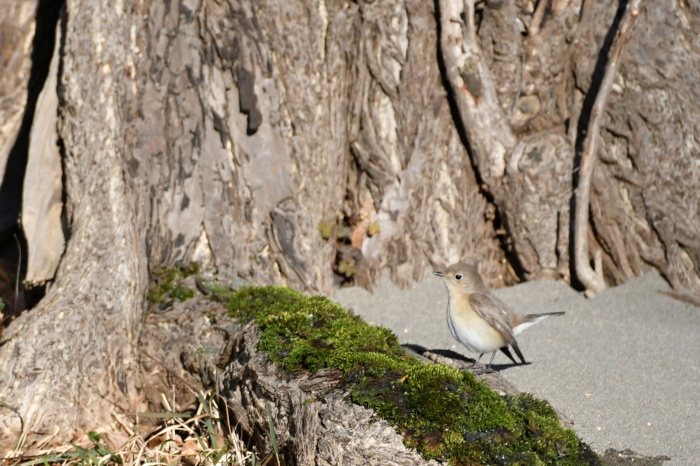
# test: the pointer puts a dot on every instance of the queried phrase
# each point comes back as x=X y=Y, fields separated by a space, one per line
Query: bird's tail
x=529 y=320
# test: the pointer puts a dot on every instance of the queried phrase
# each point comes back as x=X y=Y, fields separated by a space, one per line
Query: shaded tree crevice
x=13 y=243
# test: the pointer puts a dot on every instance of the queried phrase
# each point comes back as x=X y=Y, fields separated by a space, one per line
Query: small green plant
x=98 y=454
x=326 y=229
x=168 y=284
x=442 y=411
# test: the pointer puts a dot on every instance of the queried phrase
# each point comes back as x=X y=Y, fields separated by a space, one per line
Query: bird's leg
x=493 y=355
x=475 y=362
x=488 y=366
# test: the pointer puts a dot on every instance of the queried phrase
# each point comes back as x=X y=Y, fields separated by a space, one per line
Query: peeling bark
x=42 y=208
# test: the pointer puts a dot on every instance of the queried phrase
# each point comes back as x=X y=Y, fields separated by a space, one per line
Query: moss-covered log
x=332 y=388
x=340 y=391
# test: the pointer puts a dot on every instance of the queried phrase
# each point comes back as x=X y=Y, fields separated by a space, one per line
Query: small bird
x=478 y=319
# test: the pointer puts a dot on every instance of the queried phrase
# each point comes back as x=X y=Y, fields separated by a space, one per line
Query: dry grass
x=202 y=437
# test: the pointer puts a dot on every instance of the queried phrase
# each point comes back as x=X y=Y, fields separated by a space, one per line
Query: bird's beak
x=439 y=274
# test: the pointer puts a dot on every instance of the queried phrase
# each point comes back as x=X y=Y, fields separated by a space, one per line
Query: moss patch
x=443 y=412
x=168 y=284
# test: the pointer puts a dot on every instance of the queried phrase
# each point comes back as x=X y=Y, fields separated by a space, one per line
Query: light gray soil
x=624 y=366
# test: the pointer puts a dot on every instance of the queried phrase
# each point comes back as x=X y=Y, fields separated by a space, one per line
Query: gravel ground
x=624 y=366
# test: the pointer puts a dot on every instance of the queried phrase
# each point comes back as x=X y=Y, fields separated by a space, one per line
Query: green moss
x=442 y=412
x=167 y=284
x=214 y=288
x=182 y=293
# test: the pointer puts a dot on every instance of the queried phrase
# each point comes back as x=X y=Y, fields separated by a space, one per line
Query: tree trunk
x=645 y=197
x=72 y=351
x=306 y=143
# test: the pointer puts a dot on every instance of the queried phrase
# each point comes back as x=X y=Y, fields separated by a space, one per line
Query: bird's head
x=462 y=277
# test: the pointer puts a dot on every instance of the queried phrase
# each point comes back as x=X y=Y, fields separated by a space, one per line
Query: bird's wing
x=495 y=312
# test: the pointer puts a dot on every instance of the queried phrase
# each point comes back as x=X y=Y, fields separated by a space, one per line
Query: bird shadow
x=421 y=350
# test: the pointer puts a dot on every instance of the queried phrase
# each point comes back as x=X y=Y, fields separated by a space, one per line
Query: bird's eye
x=458 y=276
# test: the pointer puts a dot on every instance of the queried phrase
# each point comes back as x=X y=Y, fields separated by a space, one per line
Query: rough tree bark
x=70 y=357
x=591 y=278
x=331 y=431
x=645 y=198
x=226 y=132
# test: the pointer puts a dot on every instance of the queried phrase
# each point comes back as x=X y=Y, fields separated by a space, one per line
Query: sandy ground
x=624 y=366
